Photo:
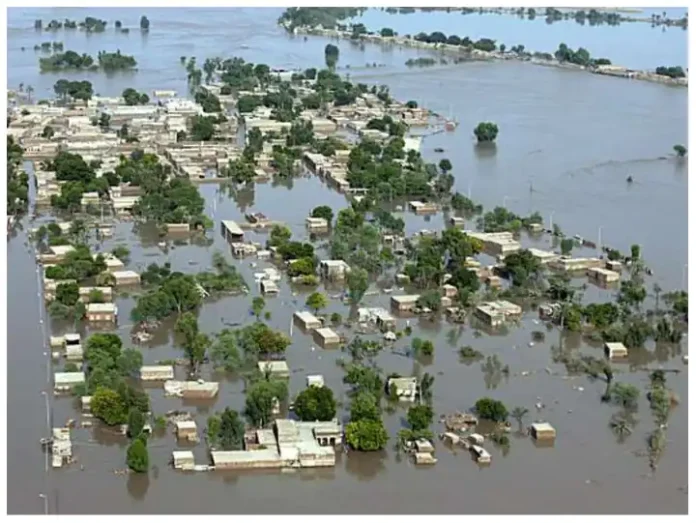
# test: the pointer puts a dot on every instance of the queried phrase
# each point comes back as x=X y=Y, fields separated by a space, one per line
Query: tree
x=358 y=284
x=486 y=132
x=625 y=395
x=144 y=23
x=48 y=132
x=230 y=435
x=136 y=422
x=316 y=301
x=260 y=398
x=137 y=456
x=331 y=55
x=67 y=293
x=366 y=435
x=122 y=253
x=202 y=128
x=108 y=406
x=315 y=404
x=129 y=362
x=680 y=150
x=420 y=417
x=323 y=211
x=225 y=352
x=257 y=306
x=445 y=165
x=491 y=409
x=365 y=406
x=519 y=413
x=567 y=245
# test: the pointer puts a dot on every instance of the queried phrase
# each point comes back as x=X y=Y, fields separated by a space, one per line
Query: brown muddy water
x=572 y=137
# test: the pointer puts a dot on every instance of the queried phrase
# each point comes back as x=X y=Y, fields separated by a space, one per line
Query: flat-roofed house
x=405 y=388
x=231 y=231
x=326 y=337
x=334 y=269
x=156 y=372
x=406 y=302
x=306 y=320
x=277 y=368
x=101 y=312
x=603 y=276
x=65 y=381
x=615 y=350
x=125 y=278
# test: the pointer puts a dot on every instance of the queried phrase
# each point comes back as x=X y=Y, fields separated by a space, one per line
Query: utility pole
x=551 y=221
x=599 y=237
x=45 y=502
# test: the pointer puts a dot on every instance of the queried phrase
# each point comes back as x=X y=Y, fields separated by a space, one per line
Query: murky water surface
x=567 y=142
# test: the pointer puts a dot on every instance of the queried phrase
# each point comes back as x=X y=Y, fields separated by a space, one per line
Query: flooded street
x=568 y=141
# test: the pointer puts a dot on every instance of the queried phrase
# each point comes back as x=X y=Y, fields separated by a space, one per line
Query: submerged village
x=94 y=162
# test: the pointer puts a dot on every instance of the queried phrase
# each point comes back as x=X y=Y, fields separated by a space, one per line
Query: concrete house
x=405 y=302
x=326 y=337
x=405 y=388
x=231 y=231
x=156 y=372
x=543 y=431
x=603 y=276
x=187 y=430
x=125 y=278
x=334 y=269
x=616 y=350
x=316 y=224
x=495 y=313
x=269 y=287
x=65 y=381
x=183 y=460
x=315 y=380
x=277 y=368
x=377 y=315
x=191 y=389
x=306 y=320
x=106 y=292
x=101 y=312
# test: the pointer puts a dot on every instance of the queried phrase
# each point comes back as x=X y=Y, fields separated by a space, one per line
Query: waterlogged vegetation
x=72 y=61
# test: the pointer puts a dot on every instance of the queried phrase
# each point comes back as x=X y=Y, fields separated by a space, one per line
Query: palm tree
x=30 y=90
x=21 y=87
x=609 y=375
x=657 y=290
x=519 y=413
x=621 y=426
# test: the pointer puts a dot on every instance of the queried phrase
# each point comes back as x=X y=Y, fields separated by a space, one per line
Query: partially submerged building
x=495 y=313
x=615 y=350
x=306 y=320
x=101 y=312
x=381 y=317
x=126 y=278
x=326 y=337
x=334 y=269
x=191 y=389
x=404 y=388
x=543 y=431
x=156 y=372
x=404 y=303
x=65 y=381
x=231 y=231
x=276 y=368
x=291 y=444
x=602 y=276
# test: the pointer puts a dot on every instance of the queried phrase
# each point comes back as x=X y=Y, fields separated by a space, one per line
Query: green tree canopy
x=315 y=404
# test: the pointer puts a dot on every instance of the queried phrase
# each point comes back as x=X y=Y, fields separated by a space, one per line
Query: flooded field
x=567 y=143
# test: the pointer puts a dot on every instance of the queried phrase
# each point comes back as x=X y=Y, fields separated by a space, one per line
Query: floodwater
x=567 y=142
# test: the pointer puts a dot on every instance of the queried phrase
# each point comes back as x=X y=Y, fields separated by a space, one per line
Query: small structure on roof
x=277 y=368
x=615 y=350
x=326 y=337
x=543 y=431
x=61 y=447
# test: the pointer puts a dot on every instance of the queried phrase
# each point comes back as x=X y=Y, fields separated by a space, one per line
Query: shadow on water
x=138 y=485
x=365 y=466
